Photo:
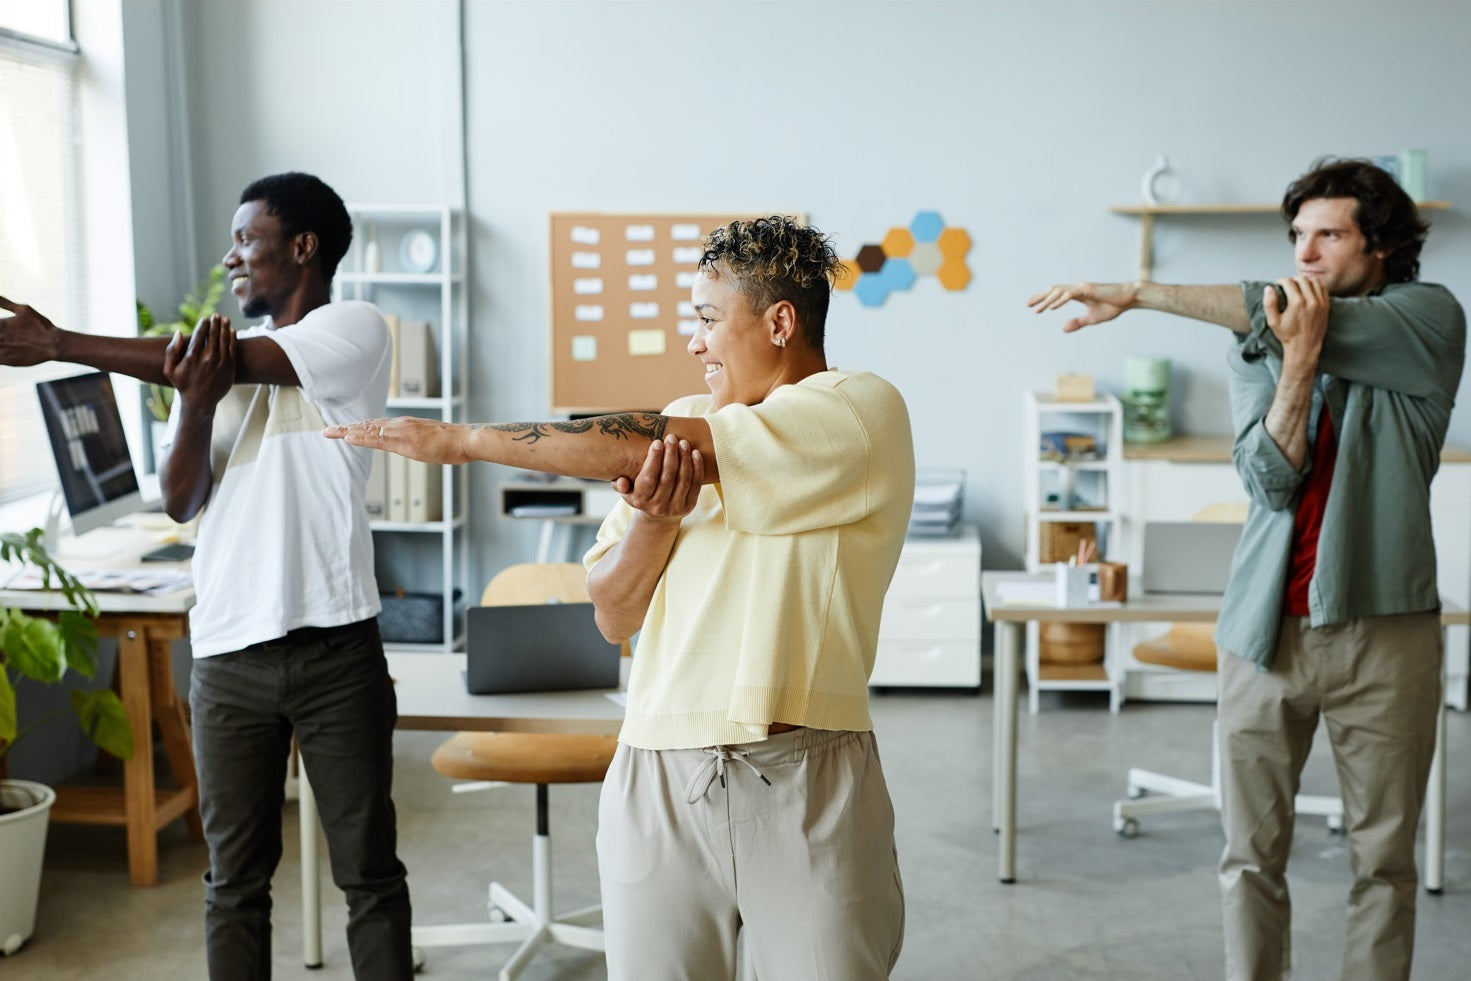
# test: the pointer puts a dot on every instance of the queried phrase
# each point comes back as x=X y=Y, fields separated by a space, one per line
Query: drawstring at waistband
x=714 y=766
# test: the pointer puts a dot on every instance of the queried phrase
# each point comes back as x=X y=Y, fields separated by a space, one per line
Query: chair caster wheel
x=419 y=959
x=497 y=915
x=1127 y=828
x=1134 y=793
x=1335 y=825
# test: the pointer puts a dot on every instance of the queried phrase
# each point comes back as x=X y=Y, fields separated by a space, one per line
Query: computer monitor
x=91 y=450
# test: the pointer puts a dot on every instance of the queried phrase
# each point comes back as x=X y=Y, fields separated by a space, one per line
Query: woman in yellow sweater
x=759 y=529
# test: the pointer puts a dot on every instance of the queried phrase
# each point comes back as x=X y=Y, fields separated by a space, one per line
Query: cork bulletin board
x=621 y=313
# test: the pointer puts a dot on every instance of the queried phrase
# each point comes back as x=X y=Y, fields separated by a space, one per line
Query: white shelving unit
x=1095 y=483
x=420 y=556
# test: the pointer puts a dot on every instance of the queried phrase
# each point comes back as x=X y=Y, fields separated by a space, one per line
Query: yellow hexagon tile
x=898 y=243
x=954 y=274
x=954 y=243
x=850 y=275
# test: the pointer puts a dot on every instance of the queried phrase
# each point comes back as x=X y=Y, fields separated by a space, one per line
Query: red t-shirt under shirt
x=1309 y=520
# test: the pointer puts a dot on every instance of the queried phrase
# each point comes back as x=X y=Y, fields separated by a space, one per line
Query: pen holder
x=1072 y=584
x=1113 y=582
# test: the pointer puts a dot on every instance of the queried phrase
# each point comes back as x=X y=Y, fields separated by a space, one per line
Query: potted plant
x=40 y=651
x=202 y=301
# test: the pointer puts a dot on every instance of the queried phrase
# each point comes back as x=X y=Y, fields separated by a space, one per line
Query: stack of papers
x=939 y=496
x=149 y=582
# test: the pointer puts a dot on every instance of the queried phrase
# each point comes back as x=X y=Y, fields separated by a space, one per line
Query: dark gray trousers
x=329 y=685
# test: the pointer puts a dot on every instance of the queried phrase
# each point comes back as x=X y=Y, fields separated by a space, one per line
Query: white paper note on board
x=643 y=311
x=588 y=311
x=684 y=280
x=584 y=347
x=685 y=232
x=643 y=282
x=582 y=235
x=687 y=328
x=687 y=255
x=639 y=233
x=643 y=343
x=586 y=260
x=639 y=257
x=584 y=285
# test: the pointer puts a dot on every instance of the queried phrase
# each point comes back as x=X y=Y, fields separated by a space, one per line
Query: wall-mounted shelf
x=1147 y=213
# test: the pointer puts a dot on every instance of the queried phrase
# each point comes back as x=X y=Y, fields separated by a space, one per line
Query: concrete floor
x=1088 y=905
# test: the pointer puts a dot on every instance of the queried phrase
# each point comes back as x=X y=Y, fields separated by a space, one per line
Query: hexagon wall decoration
x=925 y=248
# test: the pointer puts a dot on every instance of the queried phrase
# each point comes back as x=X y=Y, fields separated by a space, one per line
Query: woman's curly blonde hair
x=777 y=258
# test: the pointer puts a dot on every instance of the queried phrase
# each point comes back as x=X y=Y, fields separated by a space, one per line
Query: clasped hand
x=667 y=486
x=201 y=367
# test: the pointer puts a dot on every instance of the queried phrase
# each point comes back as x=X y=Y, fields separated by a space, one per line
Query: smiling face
x=742 y=362
x=1329 y=246
x=262 y=269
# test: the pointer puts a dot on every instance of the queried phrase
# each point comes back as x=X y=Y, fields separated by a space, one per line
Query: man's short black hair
x=304 y=203
x=1387 y=217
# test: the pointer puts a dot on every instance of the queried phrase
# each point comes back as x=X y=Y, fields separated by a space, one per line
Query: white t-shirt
x=284 y=540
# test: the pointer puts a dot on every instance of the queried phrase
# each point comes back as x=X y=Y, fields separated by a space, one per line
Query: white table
x=1011 y=620
x=431 y=695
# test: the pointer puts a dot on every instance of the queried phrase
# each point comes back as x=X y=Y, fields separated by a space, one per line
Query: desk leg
x=311 y=878
x=1435 y=811
x=173 y=728
x=1003 y=802
x=138 y=789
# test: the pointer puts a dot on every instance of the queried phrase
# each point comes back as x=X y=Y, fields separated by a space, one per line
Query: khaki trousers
x=695 y=844
x=1376 y=682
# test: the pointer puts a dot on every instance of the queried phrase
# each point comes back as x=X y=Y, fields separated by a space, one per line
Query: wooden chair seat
x=1186 y=646
x=525 y=757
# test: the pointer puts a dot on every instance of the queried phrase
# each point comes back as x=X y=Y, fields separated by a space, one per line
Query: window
x=41 y=244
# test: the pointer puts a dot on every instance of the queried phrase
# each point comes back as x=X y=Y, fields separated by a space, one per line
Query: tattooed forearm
x=626 y=424
x=623 y=425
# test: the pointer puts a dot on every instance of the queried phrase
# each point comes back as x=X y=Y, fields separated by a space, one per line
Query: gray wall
x=1020 y=121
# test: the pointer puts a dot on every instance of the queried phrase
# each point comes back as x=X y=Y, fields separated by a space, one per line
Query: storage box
x=412 y=618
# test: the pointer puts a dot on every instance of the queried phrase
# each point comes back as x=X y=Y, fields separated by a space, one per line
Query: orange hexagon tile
x=849 y=277
x=898 y=243
x=954 y=274
x=954 y=242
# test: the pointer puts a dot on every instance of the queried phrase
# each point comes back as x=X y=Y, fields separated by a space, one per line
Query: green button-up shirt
x=1389 y=369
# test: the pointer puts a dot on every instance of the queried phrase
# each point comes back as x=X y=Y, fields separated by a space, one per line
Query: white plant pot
x=22 y=847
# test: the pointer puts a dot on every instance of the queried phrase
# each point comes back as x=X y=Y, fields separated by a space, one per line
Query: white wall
x=1020 y=121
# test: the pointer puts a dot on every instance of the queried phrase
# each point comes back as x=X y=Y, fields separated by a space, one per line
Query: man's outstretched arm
x=598 y=448
x=29 y=338
x=1102 y=302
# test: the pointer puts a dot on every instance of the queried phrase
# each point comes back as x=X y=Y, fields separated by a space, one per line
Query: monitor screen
x=90 y=448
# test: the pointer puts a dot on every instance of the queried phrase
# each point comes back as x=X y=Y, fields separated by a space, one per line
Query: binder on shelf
x=418 y=375
x=426 y=483
x=375 y=493
x=392 y=320
x=398 y=487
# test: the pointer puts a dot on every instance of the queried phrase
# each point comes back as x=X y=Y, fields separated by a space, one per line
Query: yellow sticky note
x=645 y=342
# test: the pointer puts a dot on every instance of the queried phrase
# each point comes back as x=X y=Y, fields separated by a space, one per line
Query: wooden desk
x=1011 y=621
x=431 y=695
x=145 y=628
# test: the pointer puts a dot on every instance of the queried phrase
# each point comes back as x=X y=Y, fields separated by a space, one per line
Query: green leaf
x=104 y=720
x=33 y=647
x=79 y=641
x=8 y=720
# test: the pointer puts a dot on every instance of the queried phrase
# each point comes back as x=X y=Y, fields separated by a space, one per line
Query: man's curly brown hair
x=777 y=258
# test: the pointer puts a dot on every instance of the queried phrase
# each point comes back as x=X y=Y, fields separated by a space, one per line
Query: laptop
x=539 y=647
x=1188 y=556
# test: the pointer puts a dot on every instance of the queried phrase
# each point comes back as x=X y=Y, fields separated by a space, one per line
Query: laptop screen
x=537 y=647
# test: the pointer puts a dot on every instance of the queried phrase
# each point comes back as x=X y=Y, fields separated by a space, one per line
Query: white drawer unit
x=930 y=635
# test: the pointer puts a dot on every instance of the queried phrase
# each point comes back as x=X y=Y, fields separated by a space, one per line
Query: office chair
x=498 y=758
x=1192 y=647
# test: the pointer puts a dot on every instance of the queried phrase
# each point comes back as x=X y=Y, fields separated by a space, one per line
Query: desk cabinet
x=930 y=635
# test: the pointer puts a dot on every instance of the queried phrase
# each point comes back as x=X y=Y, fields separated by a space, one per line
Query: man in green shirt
x=1343 y=378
